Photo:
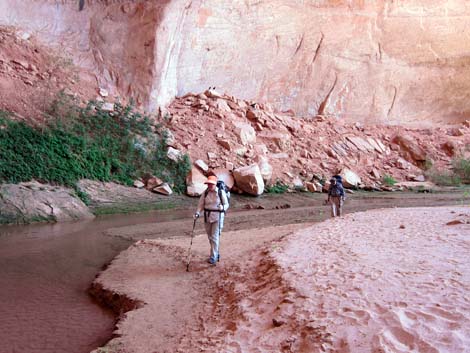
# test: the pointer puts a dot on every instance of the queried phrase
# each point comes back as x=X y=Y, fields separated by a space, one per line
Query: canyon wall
x=390 y=62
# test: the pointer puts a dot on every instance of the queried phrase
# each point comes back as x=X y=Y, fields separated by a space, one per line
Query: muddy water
x=45 y=270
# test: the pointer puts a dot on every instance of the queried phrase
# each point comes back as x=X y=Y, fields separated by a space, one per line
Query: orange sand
x=392 y=280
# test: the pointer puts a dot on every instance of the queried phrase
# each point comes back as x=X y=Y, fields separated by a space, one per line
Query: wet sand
x=392 y=280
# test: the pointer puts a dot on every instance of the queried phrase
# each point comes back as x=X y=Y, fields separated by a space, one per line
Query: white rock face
x=372 y=61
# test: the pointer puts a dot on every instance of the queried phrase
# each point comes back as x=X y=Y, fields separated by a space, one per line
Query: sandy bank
x=379 y=281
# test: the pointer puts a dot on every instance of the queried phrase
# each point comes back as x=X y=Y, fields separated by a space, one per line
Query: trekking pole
x=190 y=245
x=220 y=231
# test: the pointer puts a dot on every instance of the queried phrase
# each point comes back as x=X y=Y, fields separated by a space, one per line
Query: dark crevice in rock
x=299 y=45
x=322 y=107
x=317 y=50
x=393 y=101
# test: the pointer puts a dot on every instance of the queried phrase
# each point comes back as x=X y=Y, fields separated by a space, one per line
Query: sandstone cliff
x=369 y=61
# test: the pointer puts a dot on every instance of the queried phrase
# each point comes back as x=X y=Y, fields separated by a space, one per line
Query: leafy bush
x=461 y=168
x=443 y=178
x=87 y=143
x=389 y=180
x=278 y=188
x=428 y=163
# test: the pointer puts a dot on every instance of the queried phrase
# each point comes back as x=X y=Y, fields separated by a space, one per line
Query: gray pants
x=212 y=230
x=336 y=203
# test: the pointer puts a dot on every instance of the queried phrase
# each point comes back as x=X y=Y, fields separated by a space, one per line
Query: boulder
x=449 y=148
x=311 y=187
x=245 y=132
x=256 y=116
x=298 y=183
x=260 y=149
x=240 y=150
x=361 y=144
x=222 y=105
x=163 y=189
x=153 y=182
x=411 y=150
x=318 y=186
x=265 y=168
x=35 y=202
x=226 y=176
x=107 y=107
x=419 y=178
x=281 y=140
x=201 y=165
x=350 y=179
x=375 y=173
x=213 y=93
x=195 y=182
x=249 y=179
x=225 y=144
x=402 y=164
x=138 y=184
x=173 y=154
x=103 y=92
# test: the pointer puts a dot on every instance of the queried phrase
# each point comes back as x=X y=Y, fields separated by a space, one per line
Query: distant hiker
x=213 y=203
x=336 y=197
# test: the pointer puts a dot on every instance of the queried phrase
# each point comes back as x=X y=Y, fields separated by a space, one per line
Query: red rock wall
x=370 y=61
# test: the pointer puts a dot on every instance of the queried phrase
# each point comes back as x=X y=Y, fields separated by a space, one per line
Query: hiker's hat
x=212 y=179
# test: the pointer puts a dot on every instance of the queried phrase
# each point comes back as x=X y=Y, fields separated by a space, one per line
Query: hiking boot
x=218 y=258
x=211 y=261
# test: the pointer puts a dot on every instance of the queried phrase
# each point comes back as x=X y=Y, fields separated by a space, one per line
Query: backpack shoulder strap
x=220 y=196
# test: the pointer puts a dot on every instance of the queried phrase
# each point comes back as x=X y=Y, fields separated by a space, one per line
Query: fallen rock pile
x=255 y=146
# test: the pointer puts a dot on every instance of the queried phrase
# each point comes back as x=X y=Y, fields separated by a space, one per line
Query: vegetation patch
x=90 y=143
x=461 y=168
x=278 y=188
x=443 y=178
x=459 y=174
x=389 y=180
x=126 y=208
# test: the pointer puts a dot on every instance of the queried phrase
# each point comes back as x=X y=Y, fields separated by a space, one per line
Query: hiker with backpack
x=336 y=195
x=213 y=204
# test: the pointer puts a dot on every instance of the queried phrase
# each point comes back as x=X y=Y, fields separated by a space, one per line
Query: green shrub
x=87 y=143
x=461 y=168
x=278 y=188
x=443 y=178
x=389 y=180
x=428 y=163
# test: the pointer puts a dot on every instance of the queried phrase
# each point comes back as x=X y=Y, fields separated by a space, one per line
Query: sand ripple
x=380 y=281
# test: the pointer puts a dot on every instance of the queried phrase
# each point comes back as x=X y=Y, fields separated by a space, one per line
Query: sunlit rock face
x=359 y=60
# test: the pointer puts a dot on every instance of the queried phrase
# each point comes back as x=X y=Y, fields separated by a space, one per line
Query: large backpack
x=336 y=189
x=339 y=179
x=222 y=188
